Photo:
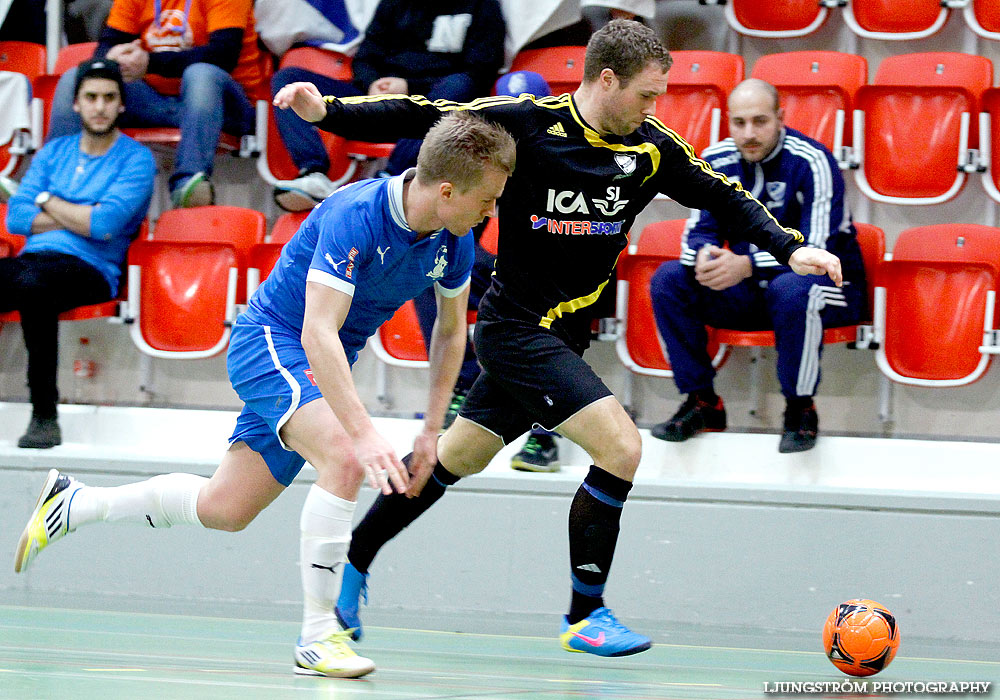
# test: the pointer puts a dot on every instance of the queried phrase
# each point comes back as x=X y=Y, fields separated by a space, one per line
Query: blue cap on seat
x=522 y=81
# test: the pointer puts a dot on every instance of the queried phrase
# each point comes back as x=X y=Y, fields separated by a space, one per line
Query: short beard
x=99 y=133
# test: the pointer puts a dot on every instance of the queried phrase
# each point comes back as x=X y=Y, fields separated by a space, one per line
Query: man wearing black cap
x=80 y=204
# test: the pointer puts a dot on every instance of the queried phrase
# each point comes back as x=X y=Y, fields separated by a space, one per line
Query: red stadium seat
x=777 y=19
x=22 y=57
x=895 y=19
x=638 y=345
x=491 y=235
x=817 y=90
x=695 y=103
x=934 y=305
x=399 y=340
x=182 y=297
x=236 y=226
x=561 y=66
x=263 y=256
x=286 y=226
x=989 y=141
x=983 y=17
x=72 y=55
x=900 y=164
x=44 y=86
x=275 y=164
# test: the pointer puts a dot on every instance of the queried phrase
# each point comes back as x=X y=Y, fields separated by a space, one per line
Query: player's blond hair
x=460 y=146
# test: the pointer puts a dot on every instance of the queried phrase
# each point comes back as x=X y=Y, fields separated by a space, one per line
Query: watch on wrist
x=42 y=198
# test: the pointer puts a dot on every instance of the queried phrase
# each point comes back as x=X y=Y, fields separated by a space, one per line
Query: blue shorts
x=269 y=371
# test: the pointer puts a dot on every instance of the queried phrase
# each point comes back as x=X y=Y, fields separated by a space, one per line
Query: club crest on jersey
x=625 y=161
x=776 y=193
x=440 y=262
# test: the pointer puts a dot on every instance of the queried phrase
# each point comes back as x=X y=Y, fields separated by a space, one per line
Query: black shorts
x=530 y=376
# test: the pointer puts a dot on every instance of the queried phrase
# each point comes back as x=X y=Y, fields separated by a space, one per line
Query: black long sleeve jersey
x=566 y=211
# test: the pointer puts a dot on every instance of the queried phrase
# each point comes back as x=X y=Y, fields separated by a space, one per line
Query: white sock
x=325 y=533
x=165 y=500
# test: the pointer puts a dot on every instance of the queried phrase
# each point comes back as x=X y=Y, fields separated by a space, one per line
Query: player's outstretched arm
x=447 y=352
x=326 y=310
x=304 y=99
x=815 y=261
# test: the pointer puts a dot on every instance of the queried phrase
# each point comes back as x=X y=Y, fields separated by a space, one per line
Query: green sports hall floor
x=79 y=655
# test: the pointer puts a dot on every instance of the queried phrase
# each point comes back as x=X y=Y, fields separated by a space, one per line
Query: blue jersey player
x=358 y=256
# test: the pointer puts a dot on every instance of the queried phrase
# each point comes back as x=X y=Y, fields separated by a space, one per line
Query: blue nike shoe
x=353 y=590
x=600 y=633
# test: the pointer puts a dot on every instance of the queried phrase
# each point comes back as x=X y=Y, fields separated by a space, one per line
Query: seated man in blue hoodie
x=80 y=204
x=442 y=50
x=745 y=288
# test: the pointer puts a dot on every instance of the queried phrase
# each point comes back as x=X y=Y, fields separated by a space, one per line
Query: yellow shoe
x=50 y=519
x=331 y=656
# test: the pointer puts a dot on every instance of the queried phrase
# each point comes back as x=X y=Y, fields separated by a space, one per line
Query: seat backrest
x=22 y=57
x=286 y=226
x=184 y=295
x=895 y=19
x=329 y=63
x=658 y=242
x=491 y=235
x=775 y=18
x=73 y=55
x=10 y=244
x=928 y=89
x=936 y=300
x=812 y=86
x=871 y=241
x=990 y=104
x=237 y=226
x=401 y=336
x=561 y=66
x=983 y=17
x=695 y=103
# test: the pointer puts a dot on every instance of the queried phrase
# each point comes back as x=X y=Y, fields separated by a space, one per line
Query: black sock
x=798 y=403
x=593 y=533
x=707 y=395
x=390 y=515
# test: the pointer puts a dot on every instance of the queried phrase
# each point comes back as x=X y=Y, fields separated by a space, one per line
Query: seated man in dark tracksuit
x=744 y=288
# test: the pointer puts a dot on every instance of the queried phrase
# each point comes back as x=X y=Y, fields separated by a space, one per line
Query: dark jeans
x=41 y=286
x=302 y=139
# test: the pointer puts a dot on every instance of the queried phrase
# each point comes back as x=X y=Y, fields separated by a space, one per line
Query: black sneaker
x=694 y=416
x=457 y=399
x=539 y=454
x=42 y=434
x=801 y=428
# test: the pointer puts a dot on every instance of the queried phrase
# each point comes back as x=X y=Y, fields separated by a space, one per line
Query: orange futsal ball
x=860 y=637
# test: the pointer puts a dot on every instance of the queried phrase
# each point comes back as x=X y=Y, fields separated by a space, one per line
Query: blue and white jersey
x=800 y=184
x=357 y=241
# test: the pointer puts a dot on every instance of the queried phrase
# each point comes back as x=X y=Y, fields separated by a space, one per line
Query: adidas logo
x=590 y=567
x=556 y=130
